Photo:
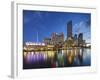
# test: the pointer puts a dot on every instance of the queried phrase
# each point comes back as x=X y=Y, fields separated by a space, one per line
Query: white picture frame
x=17 y=41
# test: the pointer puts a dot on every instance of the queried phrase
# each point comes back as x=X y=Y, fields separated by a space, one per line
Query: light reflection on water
x=60 y=58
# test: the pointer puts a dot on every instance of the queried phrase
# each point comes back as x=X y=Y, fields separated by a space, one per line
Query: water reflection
x=60 y=58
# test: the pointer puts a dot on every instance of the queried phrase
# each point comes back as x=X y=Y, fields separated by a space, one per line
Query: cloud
x=78 y=27
x=88 y=23
x=83 y=27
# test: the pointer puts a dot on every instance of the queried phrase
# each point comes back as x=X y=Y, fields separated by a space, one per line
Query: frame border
x=14 y=33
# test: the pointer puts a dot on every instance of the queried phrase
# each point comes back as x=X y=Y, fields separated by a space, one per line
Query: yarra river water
x=54 y=59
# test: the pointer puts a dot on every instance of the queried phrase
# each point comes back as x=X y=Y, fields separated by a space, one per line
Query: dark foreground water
x=60 y=58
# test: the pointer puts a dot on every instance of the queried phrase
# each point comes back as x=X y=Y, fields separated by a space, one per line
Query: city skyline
x=44 y=23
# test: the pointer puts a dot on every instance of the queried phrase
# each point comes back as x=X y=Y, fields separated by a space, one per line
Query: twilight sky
x=44 y=23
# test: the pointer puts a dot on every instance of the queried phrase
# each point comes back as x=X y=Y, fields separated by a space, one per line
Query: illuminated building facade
x=47 y=41
x=57 y=38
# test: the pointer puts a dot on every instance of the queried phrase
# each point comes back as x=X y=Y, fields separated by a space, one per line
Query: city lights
x=51 y=47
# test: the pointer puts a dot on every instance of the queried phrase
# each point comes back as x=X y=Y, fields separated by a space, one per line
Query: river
x=61 y=58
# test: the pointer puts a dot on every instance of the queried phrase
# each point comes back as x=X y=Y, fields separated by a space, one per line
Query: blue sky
x=45 y=23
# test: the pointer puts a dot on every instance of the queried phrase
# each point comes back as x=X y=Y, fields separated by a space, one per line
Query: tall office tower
x=80 y=39
x=75 y=37
x=69 y=29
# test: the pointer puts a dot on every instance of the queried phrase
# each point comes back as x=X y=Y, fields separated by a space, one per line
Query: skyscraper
x=80 y=39
x=75 y=37
x=69 y=29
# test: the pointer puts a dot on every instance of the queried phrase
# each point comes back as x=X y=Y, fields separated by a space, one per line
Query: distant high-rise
x=80 y=39
x=69 y=29
x=75 y=37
